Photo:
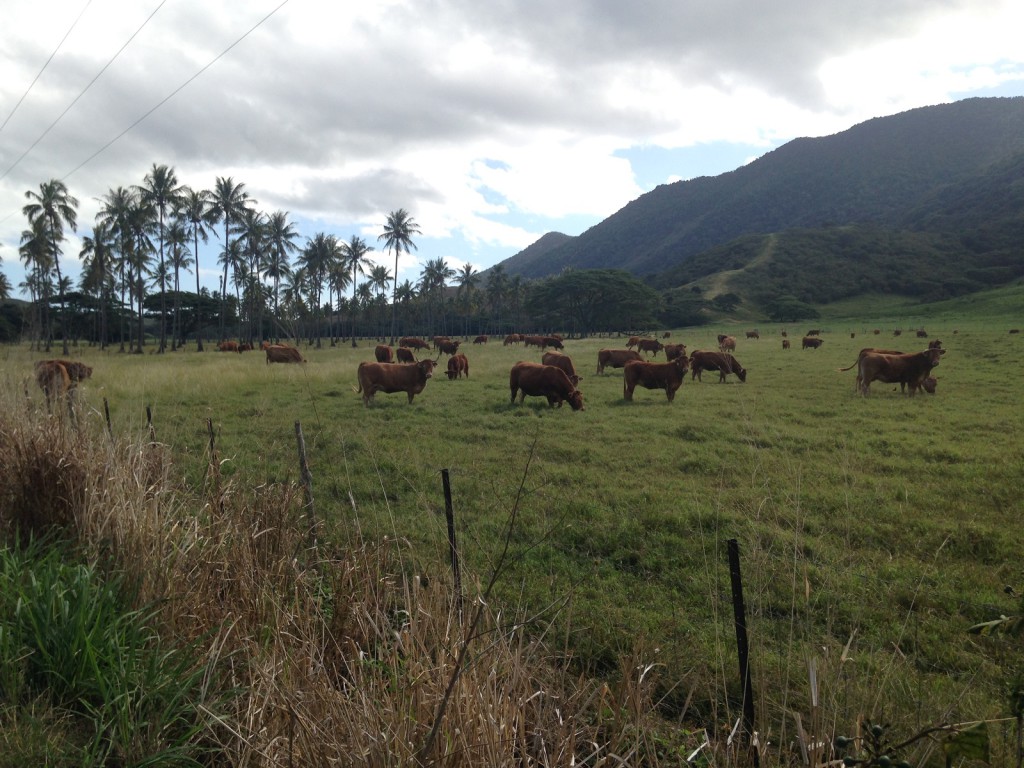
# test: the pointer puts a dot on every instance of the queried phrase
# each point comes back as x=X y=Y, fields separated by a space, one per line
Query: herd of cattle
x=554 y=377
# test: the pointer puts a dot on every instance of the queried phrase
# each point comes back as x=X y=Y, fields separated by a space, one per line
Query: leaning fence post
x=742 y=648
x=307 y=485
x=453 y=548
x=106 y=412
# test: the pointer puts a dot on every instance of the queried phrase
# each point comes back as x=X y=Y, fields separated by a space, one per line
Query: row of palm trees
x=145 y=236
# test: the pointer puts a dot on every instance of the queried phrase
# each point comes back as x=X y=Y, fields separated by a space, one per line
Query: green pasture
x=873 y=530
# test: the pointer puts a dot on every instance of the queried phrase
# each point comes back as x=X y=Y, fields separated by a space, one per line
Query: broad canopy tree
x=589 y=300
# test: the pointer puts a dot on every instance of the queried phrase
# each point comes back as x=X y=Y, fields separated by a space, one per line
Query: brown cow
x=446 y=346
x=728 y=344
x=77 y=370
x=512 y=338
x=809 y=342
x=633 y=341
x=554 y=341
x=666 y=334
x=480 y=340
x=650 y=345
x=672 y=351
x=244 y=346
x=922 y=333
x=538 y=380
x=785 y=343
x=615 y=358
x=753 y=335
x=814 y=332
x=228 y=346
x=910 y=369
x=280 y=353
x=715 y=361
x=405 y=355
x=383 y=353
x=860 y=355
x=935 y=344
x=667 y=376
x=411 y=342
x=563 y=361
x=410 y=378
x=60 y=378
x=457 y=366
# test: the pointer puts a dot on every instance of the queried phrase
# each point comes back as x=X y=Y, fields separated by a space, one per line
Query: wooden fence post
x=452 y=546
x=742 y=648
x=307 y=485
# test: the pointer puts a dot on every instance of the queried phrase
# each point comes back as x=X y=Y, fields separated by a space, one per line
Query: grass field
x=873 y=530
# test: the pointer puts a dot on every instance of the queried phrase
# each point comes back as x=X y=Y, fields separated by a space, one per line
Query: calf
x=727 y=344
x=667 y=376
x=716 y=361
x=910 y=369
x=538 y=380
x=615 y=358
x=563 y=361
x=410 y=378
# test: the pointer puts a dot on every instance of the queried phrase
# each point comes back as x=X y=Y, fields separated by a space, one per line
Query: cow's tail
x=849 y=366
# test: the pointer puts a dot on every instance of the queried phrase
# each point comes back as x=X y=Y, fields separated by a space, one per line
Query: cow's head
x=426 y=367
x=741 y=373
x=934 y=354
x=575 y=399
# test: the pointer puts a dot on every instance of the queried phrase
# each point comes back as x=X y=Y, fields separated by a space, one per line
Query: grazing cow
x=228 y=346
x=512 y=338
x=715 y=361
x=929 y=383
x=615 y=358
x=910 y=369
x=785 y=343
x=650 y=345
x=77 y=370
x=564 y=362
x=59 y=378
x=457 y=366
x=1012 y=330
x=411 y=342
x=860 y=355
x=405 y=355
x=244 y=347
x=667 y=376
x=809 y=342
x=753 y=335
x=633 y=341
x=410 y=378
x=784 y=334
x=666 y=335
x=814 y=332
x=279 y=353
x=897 y=332
x=555 y=342
x=383 y=354
x=921 y=333
x=727 y=344
x=533 y=341
x=480 y=340
x=446 y=346
x=538 y=380
x=877 y=331
x=672 y=351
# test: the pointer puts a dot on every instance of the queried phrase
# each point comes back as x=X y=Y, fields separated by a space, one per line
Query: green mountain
x=926 y=203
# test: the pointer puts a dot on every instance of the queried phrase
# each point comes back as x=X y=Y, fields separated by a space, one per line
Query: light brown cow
x=412 y=342
x=563 y=361
x=633 y=341
x=512 y=338
x=727 y=344
x=666 y=376
x=715 y=361
x=410 y=378
x=860 y=355
x=457 y=366
x=228 y=346
x=910 y=369
x=615 y=358
x=383 y=353
x=811 y=342
x=538 y=380
x=53 y=379
x=280 y=353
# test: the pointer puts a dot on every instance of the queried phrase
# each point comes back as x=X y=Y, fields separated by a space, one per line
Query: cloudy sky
x=491 y=122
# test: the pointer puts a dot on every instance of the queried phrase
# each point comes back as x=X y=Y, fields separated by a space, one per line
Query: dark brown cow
x=910 y=370
x=279 y=353
x=405 y=355
x=228 y=346
x=480 y=340
x=533 y=341
x=672 y=351
x=897 y=332
x=412 y=342
x=666 y=335
x=615 y=358
x=538 y=380
x=512 y=338
x=785 y=343
x=1015 y=330
x=753 y=335
x=728 y=344
x=810 y=342
x=245 y=347
x=555 y=342
x=715 y=361
x=410 y=378
x=814 y=332
x=457 y=366
x=667 y=376
x=877 y=331
x=383 y=354
x=922 y=333
x=650 y=345
x=563 y=361
x=446 y=346
x=935 y=344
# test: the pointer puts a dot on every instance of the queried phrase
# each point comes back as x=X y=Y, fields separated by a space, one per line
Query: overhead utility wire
x=83 y=91
x=40 y=73
x=173 y=93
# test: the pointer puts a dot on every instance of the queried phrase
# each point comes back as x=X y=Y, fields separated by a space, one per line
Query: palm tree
x=159 y=191
x=337 y=281
x=115 y=214
x=140 y=223
x=56 y=207
x=98 y=254
x=35 y=255
x=253 y=237
x=497 y=288
x=5 y=287
x=397 y=237
x=354 y=256
x=467 y=277
x=196 y=208
x=316 y=258
x=281 y=236
x=229 y=199
x=433 y=280
x=178 y=259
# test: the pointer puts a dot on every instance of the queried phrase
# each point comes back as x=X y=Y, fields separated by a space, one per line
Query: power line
x=40 y=73
x=173 y=93
x=83 y=91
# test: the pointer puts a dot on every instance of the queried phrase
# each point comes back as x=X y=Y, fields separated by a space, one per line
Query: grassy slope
x=886 y=521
